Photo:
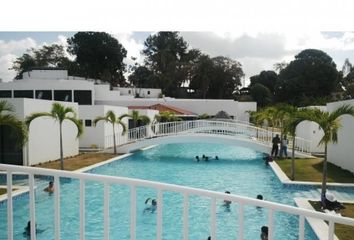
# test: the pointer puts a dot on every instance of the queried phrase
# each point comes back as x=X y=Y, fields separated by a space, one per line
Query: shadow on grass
x=343 y=232
x=335 y=173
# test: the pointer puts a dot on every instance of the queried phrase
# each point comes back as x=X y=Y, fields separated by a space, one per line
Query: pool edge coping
x=319 y=226
x=285 y=180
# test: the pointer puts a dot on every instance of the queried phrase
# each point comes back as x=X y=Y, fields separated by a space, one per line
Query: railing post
x=32 y=206
x=186 y=217
x=57 y=207
x=301 y=227
x=241 y=221
x=9 y=206
x=82 y=209
x=159 y=214
x=106 y=212
x=270 y=224
x=132 y=212
x=213 y=219
x=331 y=230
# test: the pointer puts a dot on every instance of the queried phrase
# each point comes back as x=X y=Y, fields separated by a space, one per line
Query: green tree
x=168 y=57
x=8 y=118
x=312 y=74
x=99 y=56
x=350 y=90
x=136 y=118
x=113 y=119
x=261 y=94
x=142 y=77
x=59 y=113
x=330 y=124
x=266 y=78
x=46 y=56
x=167 y=116
x=204 y=116
x=226 y=78
x=202 y=75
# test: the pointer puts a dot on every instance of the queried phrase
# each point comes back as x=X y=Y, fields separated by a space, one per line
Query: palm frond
x=78 y=124
x=19 y=129
x=33 y=116
x=97 y=119
x=6 y=107
x=122 y=124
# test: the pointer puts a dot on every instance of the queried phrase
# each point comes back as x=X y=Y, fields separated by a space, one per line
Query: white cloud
x=133 y=47
x=16 y=46
x=5 y=63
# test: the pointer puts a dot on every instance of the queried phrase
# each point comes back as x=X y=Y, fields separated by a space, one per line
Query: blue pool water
x=238 y=170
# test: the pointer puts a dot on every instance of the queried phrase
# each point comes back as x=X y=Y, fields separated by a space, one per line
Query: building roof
x=165 y=108
x=222 y=115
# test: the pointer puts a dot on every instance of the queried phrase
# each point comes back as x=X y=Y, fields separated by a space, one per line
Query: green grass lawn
x=343 y=232
x=311 y=170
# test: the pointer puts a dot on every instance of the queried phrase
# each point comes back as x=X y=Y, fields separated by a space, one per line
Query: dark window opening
x=10 y=151
x=23 y=94
x=129 y=91
x=88 y=123
x=44 y=94
x=5 y=94
x=63 y=95
x=148 y=92
x=83 y=97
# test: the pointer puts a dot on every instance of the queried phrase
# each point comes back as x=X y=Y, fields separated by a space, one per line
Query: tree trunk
x=114 y=139
x=61 y=147
x=293 y=160
x=324 y=178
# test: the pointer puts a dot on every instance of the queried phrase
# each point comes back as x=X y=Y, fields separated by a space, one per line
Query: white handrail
x=212 y=127
x=160 y=187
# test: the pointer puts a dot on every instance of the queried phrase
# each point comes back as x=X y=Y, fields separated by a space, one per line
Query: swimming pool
x=238 y=170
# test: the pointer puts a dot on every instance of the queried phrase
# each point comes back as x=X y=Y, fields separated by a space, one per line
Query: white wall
x=46 y=74
x=341 y=154
x=101 y=135
x=310 y=131
x=43 y=142
x=102 y=92
x=35 y=84
x=142 y=92
x=198 y=106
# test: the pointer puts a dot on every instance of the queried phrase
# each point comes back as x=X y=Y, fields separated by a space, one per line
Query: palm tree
x=7 y=118
x=295 y=117
x=269 y=114
x=330 y=124
x=204 y=116
x=113 y=119
x=59 y=113
x=136 y=117
x=167 y=116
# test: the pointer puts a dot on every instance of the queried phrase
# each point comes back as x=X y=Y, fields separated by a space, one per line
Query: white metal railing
x=213 y=127
x=186 y=192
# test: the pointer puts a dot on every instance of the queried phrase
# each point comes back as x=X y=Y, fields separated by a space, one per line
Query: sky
x=256 y=33
x=256 y=51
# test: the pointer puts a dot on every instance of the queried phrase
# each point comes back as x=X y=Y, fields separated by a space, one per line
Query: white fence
x=107 y=181
x=208 y=127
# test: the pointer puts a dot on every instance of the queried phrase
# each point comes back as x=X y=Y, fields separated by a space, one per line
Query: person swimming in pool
x=150 y=207
x=50 y=188
x=27 y=231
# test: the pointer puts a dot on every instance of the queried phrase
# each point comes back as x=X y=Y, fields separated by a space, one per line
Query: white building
x=311 y=131
x=237 y=110
x=101 y=135
x=341 y=154
x=43 y=141
x=95 y=99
